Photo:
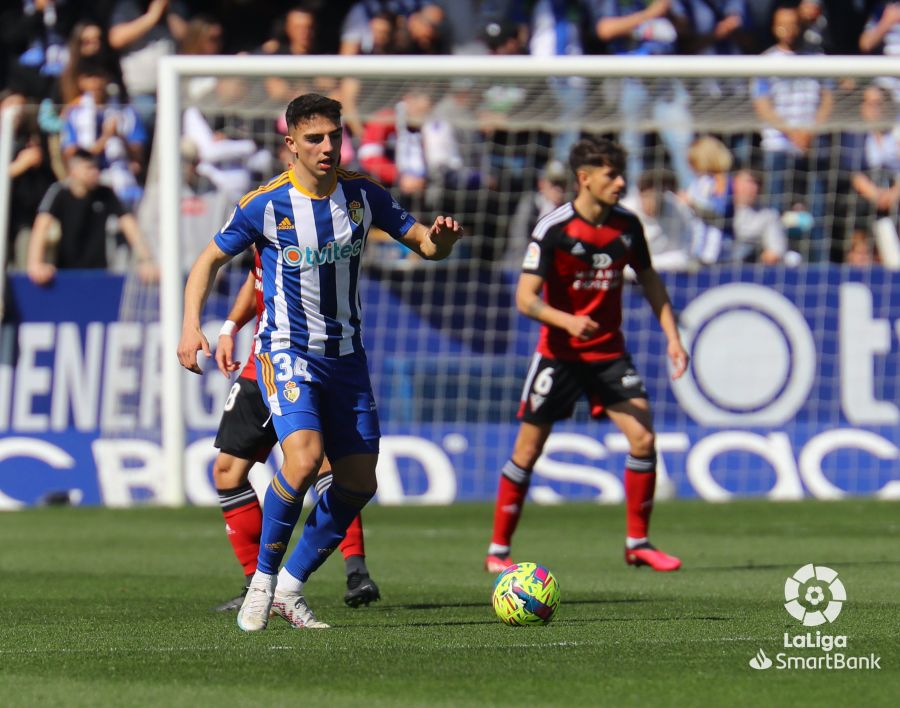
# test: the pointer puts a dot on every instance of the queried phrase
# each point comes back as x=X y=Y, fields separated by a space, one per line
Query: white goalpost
x=440 y=72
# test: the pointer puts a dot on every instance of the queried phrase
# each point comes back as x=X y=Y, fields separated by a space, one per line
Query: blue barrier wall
x=794 y=390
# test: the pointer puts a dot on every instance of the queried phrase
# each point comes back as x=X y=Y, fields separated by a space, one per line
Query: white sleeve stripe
x=556 y=216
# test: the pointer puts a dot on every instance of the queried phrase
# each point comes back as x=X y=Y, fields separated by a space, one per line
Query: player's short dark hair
x=597 y=152
x=310 y=105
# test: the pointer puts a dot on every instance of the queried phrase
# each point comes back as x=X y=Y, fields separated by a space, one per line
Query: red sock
x=353 y=543
x=639 y=488
x=243 y=524
x=510 y=500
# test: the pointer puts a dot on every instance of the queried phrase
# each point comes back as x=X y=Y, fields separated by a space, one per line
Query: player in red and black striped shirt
x=571 y=283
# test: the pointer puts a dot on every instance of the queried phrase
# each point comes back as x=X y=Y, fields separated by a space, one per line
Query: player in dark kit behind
x=571 y=283
x=246 y=436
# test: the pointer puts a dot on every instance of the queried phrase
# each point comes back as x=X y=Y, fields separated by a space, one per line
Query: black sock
x=356 y=564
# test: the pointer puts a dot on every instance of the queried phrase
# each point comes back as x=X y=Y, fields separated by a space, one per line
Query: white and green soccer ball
x=526 y=593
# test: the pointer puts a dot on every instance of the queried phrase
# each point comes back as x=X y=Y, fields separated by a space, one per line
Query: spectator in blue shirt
x=715 y=26
x=34 y=38
x=556 y=31
x=795 y=153
x=633 y=27
x=98 y=123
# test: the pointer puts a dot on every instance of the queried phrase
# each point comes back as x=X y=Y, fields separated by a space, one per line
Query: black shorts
x=246 y=430
x=553 y=386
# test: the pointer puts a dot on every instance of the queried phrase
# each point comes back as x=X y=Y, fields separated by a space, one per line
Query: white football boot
x=254 y=613
x=292 y=606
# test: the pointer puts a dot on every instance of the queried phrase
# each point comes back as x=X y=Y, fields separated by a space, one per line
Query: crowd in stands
x=85 y=76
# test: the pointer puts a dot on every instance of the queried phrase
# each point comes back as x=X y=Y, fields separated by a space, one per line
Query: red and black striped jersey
x=582 y=264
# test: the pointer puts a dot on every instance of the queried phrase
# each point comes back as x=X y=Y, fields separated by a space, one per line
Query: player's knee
x=368 y=487
x=360 y=481
x=301 y=469
x=644 y=444
x=227 y=473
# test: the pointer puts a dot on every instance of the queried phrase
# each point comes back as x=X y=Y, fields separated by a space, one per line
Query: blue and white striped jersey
x=310 y=249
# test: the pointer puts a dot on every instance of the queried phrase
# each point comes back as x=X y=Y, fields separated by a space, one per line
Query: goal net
x=794 y=380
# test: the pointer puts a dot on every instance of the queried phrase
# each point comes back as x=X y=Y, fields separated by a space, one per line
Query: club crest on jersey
x=355 y=212
x=291 y=391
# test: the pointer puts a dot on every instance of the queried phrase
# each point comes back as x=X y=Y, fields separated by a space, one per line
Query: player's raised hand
x=445 y=231
x=224 y=355
x=679 y=358
x=192 y=341
x=582 y=327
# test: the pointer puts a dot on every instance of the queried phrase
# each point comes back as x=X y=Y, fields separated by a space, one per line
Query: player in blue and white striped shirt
x=310 y=226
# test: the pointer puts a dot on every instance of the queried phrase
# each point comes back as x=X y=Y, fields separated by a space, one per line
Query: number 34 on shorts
x=280 y=371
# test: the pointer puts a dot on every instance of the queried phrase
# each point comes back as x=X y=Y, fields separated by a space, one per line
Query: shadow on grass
x=570 y=621
x=790 y=566
x=451 y=605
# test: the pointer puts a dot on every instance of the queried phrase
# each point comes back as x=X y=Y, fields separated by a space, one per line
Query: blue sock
x=280 y=514
x=325 y=526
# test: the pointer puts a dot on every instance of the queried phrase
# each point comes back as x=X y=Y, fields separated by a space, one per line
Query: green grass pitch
x=111 y=608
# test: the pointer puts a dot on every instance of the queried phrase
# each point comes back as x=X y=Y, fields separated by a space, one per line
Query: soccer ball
x=526 y=593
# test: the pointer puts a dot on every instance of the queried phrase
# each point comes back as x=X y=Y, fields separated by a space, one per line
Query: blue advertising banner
x=794 y=390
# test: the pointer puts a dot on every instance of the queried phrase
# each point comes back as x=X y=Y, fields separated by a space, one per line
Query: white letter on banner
x=607 y=484
x=197 y=460
x=438 y=470
x=862 y=337
x=117 y=480
x=151 y=376
x=775 y=448
x=817 y=448
x=754 y=357
x=35 y=449
x=120 y=376
x=7 y=357
x=31 y=380
x=76 y=377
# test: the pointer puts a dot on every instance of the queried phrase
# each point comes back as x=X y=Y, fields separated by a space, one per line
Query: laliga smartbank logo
x=814 y=595
x=815 y=582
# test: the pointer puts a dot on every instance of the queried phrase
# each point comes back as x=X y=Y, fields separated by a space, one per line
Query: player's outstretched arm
x=242 y=311
x=656 y=295
x=434 y=243
x=199 y=283
x=530 y=304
